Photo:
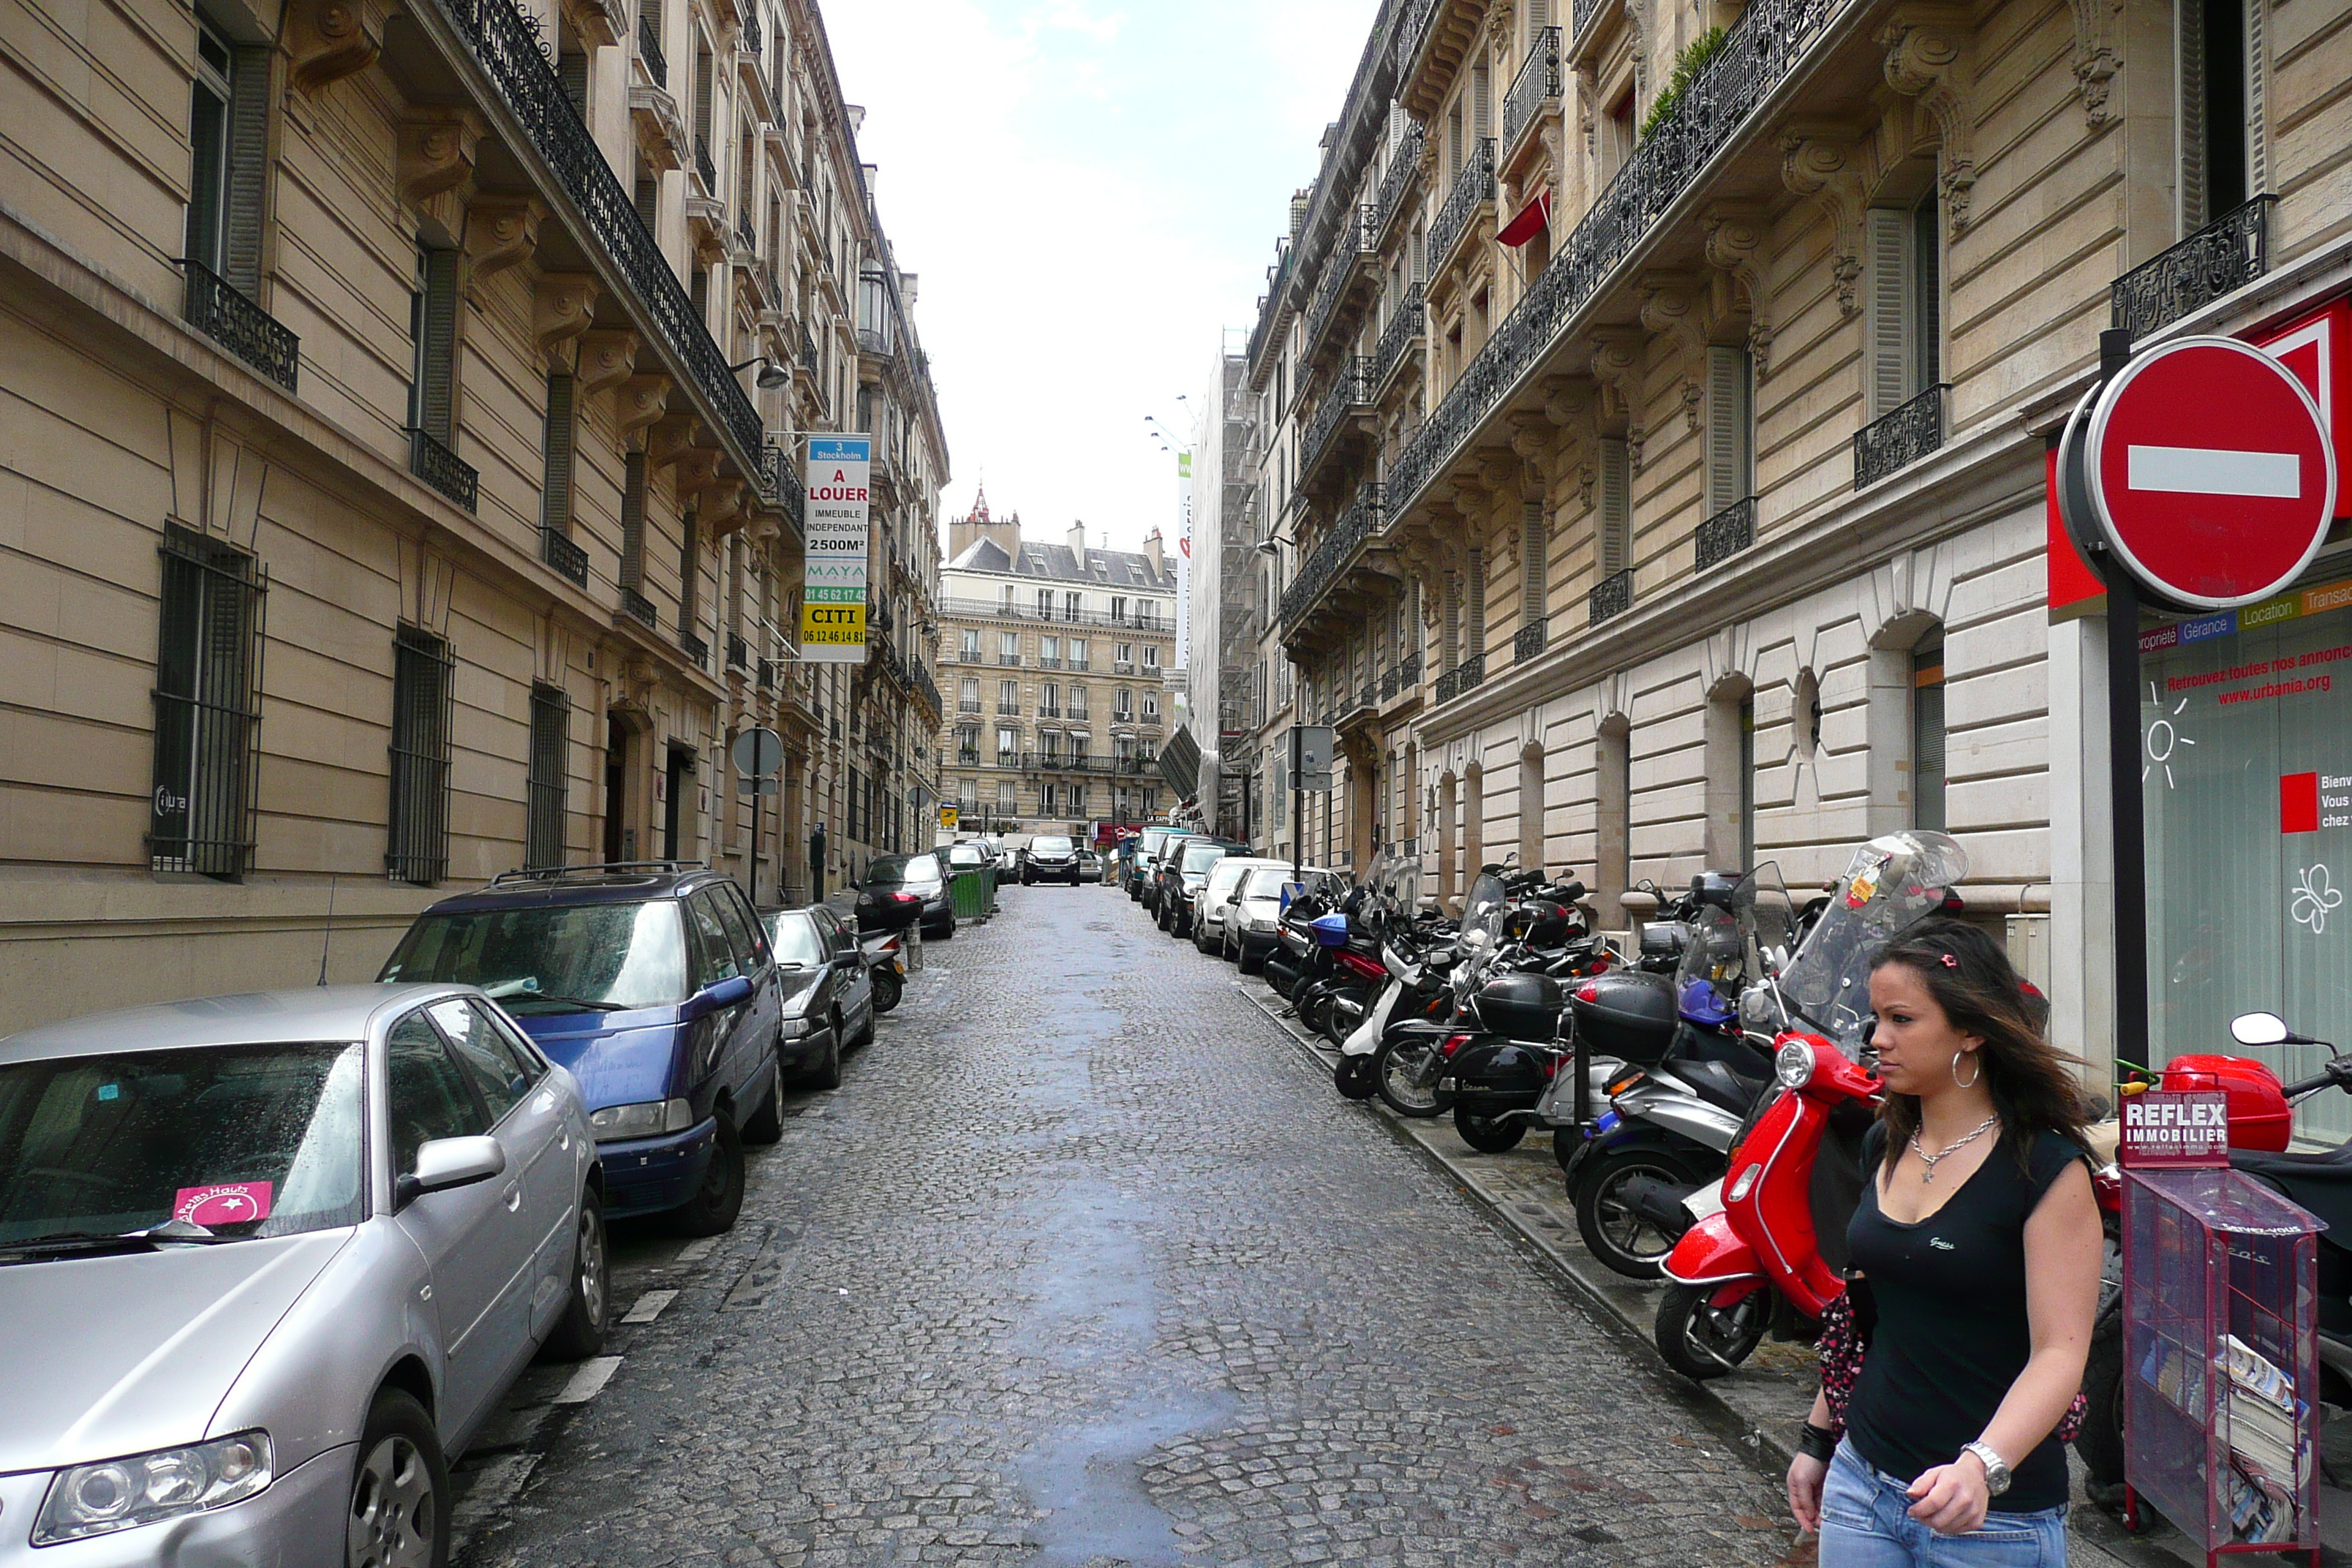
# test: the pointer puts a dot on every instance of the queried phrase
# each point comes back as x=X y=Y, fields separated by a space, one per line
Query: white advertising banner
x=833 y=587
x=1184 y=560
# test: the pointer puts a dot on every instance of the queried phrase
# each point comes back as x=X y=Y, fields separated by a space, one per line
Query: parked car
x=654 y=985
x=1182 y=871
x=1007 y=858
x=268 y=1262
x=894 y=883
x=1254 y=922
x=1156 y=843
x=968 y=855
x=1217 y=898
x=1091 y=867
x=828 y=992
x=1052 y=857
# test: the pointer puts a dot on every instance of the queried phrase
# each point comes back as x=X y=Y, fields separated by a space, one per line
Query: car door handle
x=514 y=1199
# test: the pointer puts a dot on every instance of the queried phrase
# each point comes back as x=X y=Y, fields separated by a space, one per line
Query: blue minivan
x=656 y=986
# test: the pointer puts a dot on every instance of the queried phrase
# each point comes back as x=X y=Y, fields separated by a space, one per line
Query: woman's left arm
x=2063 y=1248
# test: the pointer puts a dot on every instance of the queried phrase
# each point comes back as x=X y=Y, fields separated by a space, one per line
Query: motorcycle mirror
x=2262 y=1029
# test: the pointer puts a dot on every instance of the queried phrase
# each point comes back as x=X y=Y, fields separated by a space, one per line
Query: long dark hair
x=1973 y=982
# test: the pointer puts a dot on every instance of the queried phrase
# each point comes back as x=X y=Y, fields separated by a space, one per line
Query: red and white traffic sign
x=2206 y=470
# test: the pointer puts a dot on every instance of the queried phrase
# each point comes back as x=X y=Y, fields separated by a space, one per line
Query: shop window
x=1904 y=258
x=1731 y=423
x=2219 y=103
x=228 y=135
x=545 y=781
x=207 y=707
x=422 y=689
x=1928 y=808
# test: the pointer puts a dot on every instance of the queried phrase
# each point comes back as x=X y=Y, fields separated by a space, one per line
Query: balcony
x=1395 y=198
x=2225 y=255
x=1529 y=642
x=704 y=167
x=767 y=675
x=649 y=50
x=219 y=310
x=874 y=342
x=1409 y=671
x=1350 y=394
x=1895 y=441
x=747 y=239
x=1358 y=243
x=1399 y=338
x=782 y=482
x=1725 y=534
x=1537 y=85
x=697 y=651
x=437 y=465
x=739 y=652
x=1008 y=710
x=751 y=39
x=926 y=691
x=563 y=556
x=1322 y=567
x=1473 y=192
x=1122 y=667
x=1462 y=678
x=1009 y=660
x=968 y=705
x=1611 y=597
x=640 y=608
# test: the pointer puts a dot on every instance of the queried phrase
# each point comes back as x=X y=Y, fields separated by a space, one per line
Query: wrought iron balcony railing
x=1726 y=534
x=785 y=481
x=1447 y=684
x=649 y=50
x=1396 y=185
x=1402 y=332
x=1409 y=671
x=560 y=553
x=640 y=608
x=506 y=43
x=1412 y=32
x=2226 y=254
x=1762 y=49
x=1528 y=643
x=1357 y=523
x=697 y=651
x=1473 y=187
x=1611 y=597
x=746 y=238
x=767 y=676
x=217 y=309
x=1351 y=389
x=739 y=652
x=1360 y=238
x=751 y=39
x=1580 y=16
x=1537 y=84
x=1388 y=683
x=928 y=690
x=704 y=166
x=1899 y=438
x=437 y=465
x=968 y=706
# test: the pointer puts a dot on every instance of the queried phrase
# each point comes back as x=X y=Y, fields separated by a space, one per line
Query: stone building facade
x=398 y=447
x=1056 y=661
x=1654 y=407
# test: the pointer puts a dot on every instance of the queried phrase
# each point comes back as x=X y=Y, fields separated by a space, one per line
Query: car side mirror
x=447 y=1162
x=2260 y=1030
x=722 y=994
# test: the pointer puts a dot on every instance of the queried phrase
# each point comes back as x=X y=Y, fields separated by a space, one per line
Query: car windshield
x=1049 y=847
x=1265 y=882
x=1199 y=858
x=556 y=960
x=796 y=939
x=1227 y=878
x=967 y=855
x=243 y=1140
x=894 y=871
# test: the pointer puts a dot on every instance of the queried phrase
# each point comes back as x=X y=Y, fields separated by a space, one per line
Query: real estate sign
x=833 y=588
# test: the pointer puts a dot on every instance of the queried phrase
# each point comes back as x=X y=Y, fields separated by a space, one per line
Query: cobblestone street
x=1084 y=1265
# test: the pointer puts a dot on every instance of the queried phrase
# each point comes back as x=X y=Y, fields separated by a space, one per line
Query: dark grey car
x=828 y=993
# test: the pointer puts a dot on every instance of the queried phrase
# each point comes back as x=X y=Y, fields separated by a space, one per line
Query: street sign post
x=1311 y=768
x=758 y=753
x=2197 y=476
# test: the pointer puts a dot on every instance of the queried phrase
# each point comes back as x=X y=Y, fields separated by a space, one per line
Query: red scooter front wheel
x=1702 y=1336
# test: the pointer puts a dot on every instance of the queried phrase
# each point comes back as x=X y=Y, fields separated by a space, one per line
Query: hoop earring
x=1956 y=1072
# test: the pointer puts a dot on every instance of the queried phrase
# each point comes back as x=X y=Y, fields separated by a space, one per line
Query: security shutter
x=1616 y=506
x=1482 y=119
x=648 y=198
x=1886 y=241
x=1452 y=629
x=633 y=520
x=1730 y=428
x=248 y=183
x=423 y=688
x=437 y=343
x=551 y=718
x=1475 y=611
x=572 y=72
x=1534 y=545
x=689 y=571
x=702 y=77
x=207 y=707
x=555 y=494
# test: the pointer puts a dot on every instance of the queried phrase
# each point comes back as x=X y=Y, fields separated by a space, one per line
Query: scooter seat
x=2321 y=1182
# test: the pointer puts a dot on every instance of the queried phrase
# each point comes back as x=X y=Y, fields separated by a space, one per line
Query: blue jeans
x=1866 y=1523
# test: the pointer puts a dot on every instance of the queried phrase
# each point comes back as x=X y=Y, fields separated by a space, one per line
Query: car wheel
x=766 y=1124
x=715 y=1205
x=825 y=1071
x=399 y=1512
x=580 y=1333
x=887 y=988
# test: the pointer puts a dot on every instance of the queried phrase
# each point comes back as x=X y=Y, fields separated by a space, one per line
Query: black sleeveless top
x=1952 y=1333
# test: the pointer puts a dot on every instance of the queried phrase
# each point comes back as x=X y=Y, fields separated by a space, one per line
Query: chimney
x=1078 y=544
x=1151 y=549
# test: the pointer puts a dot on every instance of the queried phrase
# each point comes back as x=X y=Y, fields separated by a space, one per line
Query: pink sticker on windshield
x=228 y=1203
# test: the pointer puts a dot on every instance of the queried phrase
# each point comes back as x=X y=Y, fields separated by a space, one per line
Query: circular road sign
x=2209 y=473
x=759 y=753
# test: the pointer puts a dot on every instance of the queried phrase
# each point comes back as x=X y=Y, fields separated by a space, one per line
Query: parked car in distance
x=827 y=991
x=893 y=884
x=1254 y=921
x=1217 y=898
x=1184 y=867
x=268 y=1262
x=1157 y=842
x=1052 y=857
x=1091 y=867
x=653 y=984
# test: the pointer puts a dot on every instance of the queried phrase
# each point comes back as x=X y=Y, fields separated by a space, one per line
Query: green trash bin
x=971 y=893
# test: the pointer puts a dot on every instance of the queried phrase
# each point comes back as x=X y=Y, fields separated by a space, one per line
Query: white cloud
x=1090 y=194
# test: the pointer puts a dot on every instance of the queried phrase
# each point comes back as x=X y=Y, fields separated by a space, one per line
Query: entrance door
x=679 y=777
x=616 y=775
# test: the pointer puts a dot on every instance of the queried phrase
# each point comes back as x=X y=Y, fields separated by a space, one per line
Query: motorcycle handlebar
x=2308 y=1085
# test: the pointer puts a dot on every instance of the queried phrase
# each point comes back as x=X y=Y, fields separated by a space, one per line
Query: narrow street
x=1084 y=1264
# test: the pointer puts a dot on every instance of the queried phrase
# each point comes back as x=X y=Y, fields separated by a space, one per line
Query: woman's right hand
x=1805 y=1476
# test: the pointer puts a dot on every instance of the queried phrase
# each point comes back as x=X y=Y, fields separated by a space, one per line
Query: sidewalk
x=1769 y=1396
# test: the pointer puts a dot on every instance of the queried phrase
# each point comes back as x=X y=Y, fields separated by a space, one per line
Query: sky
x=1089 y=192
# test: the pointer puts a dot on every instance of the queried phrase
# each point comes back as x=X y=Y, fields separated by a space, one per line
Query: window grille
x=550 y=719
x=207 y=707
x=423 y=687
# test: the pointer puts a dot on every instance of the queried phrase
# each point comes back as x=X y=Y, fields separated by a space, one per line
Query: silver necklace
x=1929 y=1161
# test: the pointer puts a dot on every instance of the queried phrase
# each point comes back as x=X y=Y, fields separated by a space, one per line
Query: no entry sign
x=2202 y=469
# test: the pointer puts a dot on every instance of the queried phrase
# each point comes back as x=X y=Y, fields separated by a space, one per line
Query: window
x=1078 y=747
x=500 y=1072
x=556 y=447
x=1152 y=707
x=1904 y=255
x=1123 y=707
x=1049 y=652
x=633 y=522
x=968 y=793
x=207 y=707
x=422 y=689
x=1044 y=604
x=428 y=1098
x=1150 y=800
x=1614 y=507
x=1152 y=656
x=1077 y=653
x=1072 y=606
x=1004 y=797
x=228 y=134
x=968 y=745
x=1078 y=800
x=1078 y=703
x=1730 y=423
x=715 y=957
x=1008 y=745
x=971 y=645
x=1008 y=648
x=432 y=337
x=1927 y=736
x=1049 y=743
x=1118 y=609
x=690 y=573
x=967 y=694
x=1123 y=660
x=1049 y=800
x=2220 y=105
x=544 y=787
x=1049 y=702
x=1008 y=696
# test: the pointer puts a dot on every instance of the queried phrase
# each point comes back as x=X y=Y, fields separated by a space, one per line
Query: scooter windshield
x=1735 y=944
x=1894 y=882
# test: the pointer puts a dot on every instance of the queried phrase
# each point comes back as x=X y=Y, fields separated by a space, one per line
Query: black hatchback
x=899 y=889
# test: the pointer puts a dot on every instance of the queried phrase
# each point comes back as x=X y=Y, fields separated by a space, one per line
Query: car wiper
x=561 y=1000
x=60 y=1243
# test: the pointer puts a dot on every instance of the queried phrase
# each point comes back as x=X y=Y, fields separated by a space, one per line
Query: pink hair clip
x=1951 y=962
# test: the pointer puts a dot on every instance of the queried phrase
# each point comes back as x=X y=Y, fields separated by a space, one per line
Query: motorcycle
x=884 y=954
x=1767 y=1250
x=1404 y=1061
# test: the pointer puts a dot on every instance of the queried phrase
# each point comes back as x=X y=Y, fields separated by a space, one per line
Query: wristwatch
x=1996 y=1469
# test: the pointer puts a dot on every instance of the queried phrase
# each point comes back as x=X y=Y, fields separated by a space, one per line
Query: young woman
x=1980 y=1239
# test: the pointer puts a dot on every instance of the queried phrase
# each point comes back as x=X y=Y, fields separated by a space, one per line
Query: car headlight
x=1260 y=925
x=643 y=1120
x=793 y=1028
x=1792 y=1063
x=117 y=1494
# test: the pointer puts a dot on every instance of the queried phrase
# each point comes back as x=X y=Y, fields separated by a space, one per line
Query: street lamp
x=773 y=376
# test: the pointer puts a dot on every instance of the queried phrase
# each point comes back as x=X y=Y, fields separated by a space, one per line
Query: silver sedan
x=267 y=1263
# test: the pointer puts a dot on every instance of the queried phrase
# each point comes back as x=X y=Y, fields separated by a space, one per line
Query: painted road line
x=695 y=1251
x=649 y=1306
x=589 y=1381
x=2213 y=471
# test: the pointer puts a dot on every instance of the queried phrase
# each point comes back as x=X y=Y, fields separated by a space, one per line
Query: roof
x=588 y=885
x=1057 y=564
x=324 y=1013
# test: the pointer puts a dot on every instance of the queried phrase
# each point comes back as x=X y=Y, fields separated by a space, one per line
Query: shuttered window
x=549 y=776
x=1730 y=427
x=433 y=329
x=1927 y=737
x=559 y=445
x=648 y=200
x=572 y=72
x=633 y=520
x=2216 y=109
x=1886 y=237
x=423 y=688
x=1614 y=503
x=1535 y=546
x=228 y=135
x=690 y=573
x=207 y=707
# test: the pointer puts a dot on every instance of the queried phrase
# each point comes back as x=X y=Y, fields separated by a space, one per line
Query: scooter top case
x=1490 y=1074
x=1626 y=1013
x=1521 y=1005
